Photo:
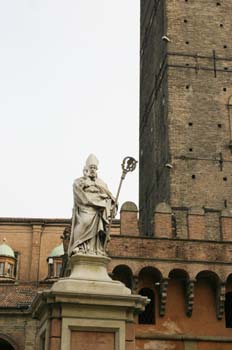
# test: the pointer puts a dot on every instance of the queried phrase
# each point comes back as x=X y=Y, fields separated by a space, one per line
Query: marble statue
x=93 y=204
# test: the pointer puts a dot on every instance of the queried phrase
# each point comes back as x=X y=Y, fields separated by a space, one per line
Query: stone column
x=35 y=252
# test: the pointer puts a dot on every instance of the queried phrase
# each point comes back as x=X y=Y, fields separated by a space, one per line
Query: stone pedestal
x=88 y=310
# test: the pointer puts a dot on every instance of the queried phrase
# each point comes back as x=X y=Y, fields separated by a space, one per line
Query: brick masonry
x=172 y=254
x=185 y=117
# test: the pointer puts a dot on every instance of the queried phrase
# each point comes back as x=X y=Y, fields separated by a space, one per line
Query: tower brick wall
x=185 y=113
x=185 y=172
x=153 y=131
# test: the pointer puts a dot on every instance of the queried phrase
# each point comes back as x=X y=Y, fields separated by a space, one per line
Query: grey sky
x=69 y=86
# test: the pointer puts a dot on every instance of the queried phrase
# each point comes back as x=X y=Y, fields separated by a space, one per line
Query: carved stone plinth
x=89 y=274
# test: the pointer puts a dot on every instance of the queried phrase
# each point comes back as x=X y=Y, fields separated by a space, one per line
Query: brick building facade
x=189 y=278
x=177 y=251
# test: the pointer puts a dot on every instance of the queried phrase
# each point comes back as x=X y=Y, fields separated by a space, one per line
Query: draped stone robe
x=92 y=209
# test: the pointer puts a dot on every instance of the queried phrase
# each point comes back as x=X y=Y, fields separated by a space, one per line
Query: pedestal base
x=89 y=275
x=88 y=310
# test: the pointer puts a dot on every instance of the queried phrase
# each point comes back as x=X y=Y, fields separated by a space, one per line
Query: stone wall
x=18 y=329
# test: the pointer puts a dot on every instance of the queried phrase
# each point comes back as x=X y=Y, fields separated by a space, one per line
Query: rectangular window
x=10 y=270
x=58 y=269
x=2 y=268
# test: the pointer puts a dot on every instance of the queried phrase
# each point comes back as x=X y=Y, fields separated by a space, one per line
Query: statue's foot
x=75 y=251
x=101 y=252
x=92 y=252
x=78 y=251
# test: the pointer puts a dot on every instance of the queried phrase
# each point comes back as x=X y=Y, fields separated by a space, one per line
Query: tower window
x=224 y=89
x=185 y=21
x=190 y=124
x=148 y=315
x=225 y=46
x=190 y=149
x=219 y=125
x=228 y=310
x=221 y=25
x=186 y=42
x=225 y=178
x=193 y=176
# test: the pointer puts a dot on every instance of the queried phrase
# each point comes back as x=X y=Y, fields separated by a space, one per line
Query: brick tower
x=185 y=106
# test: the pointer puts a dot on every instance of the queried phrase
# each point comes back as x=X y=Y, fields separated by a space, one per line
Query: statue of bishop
x=92 y=210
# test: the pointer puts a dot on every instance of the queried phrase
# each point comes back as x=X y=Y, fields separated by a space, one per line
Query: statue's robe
x=92 y=209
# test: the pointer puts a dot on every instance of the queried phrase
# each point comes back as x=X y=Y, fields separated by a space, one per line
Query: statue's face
x=92 y=171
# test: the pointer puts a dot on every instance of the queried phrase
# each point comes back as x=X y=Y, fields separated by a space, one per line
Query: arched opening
x=176 y=301
x=210 y=277
x=5 y=345
x=205 y=301
x=179 y=274
x=149 y=279
x=123 y=274
x=148 y=315
x=228 y=310
x=149 y=276
x=228 y=302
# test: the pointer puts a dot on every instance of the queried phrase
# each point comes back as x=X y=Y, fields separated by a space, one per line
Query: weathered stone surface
x=89 y=275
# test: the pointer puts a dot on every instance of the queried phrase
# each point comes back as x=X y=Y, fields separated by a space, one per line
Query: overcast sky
x=69 y=86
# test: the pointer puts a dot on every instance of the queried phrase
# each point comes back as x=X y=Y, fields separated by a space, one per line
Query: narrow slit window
x=148 y=315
